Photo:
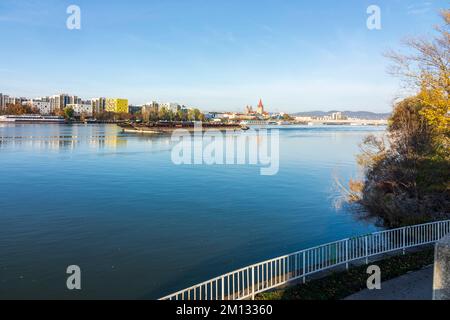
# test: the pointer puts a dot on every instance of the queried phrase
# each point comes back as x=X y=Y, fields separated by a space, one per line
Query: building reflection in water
x=61 y=137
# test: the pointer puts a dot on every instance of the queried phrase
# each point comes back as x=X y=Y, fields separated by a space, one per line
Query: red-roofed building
x=260 y=109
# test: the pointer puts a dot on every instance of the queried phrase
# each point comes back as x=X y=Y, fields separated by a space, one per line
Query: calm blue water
x=141 y=227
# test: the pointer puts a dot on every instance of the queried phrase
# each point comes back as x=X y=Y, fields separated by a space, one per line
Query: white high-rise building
x=55 y=102
x=64 y=100
x=80 y=109
x=74 y=100
x=12 y=100
x=98 y=104
x=170 y=106
x=60 y=101
x=153 y=104
x=5 y=100
x=338 y=116
x=44 y=107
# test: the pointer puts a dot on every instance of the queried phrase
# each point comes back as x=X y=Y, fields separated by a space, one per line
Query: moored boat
x=169 y=127
x=31 y=118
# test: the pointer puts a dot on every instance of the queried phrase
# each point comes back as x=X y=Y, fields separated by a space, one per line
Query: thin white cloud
x=420 y=8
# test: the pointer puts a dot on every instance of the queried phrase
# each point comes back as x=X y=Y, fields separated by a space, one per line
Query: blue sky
x=218 y=55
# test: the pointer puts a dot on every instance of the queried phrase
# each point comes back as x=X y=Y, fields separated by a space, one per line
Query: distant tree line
x=18 y=109
x=154 y=114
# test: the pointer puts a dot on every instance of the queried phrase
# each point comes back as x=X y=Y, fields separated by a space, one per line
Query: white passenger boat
x=254 y=123
x=31 y=118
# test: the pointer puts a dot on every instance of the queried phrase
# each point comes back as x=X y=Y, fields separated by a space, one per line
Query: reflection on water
x=141 y=227
x=57 y=137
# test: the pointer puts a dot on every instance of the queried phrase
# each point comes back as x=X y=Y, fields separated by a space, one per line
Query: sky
x=296 y=55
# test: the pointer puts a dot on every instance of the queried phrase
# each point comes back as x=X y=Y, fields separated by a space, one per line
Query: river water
x=140 y=227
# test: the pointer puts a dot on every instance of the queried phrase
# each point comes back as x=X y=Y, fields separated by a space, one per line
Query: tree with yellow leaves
x=409 y=181
x=427 y=71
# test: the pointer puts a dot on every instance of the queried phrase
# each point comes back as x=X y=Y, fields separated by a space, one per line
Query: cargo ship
x=169 y=127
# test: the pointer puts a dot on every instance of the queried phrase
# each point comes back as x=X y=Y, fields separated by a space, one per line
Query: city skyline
x=65 y=99
x=217 y=56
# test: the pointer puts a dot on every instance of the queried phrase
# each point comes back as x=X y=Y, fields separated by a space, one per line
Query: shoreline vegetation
x=406 y=173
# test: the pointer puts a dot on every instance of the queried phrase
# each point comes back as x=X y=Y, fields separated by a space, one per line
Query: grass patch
x=339 y=285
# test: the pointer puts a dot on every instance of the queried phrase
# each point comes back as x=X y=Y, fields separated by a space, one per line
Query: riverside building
x=44 y=107
x=81 y=109
x=116 y=105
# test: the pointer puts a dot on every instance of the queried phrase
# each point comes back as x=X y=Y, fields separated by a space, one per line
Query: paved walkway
x=412 y=286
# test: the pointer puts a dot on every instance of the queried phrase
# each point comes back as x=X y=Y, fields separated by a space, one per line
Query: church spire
x=260 y=105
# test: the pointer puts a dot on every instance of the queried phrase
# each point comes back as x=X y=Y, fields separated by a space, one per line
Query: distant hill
x=350 y=114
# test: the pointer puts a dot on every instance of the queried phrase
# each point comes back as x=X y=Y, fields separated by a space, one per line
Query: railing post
x=438 y=231
x=346 y=254
x=223 y=288
x=366 y=240
x=288 y=268
x=304 y=266
x=404 y=240
x=253 y=283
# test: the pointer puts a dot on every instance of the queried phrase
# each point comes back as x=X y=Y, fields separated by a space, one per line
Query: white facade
x=98 y=104
x=73 y=100
x=152 y=104
x=55 y=102
x=58 y=101
x=338 y=116
x=5 y=100
x=80 y=109
x=44 y=107
x=170 y=106
x=225 y=115
x=302 y=119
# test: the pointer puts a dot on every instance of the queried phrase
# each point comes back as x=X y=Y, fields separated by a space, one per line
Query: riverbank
x=340 y=285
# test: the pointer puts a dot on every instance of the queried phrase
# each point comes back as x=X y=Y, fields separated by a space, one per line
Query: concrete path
x=412 y=286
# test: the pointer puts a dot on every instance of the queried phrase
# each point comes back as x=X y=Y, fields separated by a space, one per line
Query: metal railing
x=245 y=283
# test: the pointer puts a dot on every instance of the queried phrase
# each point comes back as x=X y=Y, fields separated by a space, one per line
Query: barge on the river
x=169 y=127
